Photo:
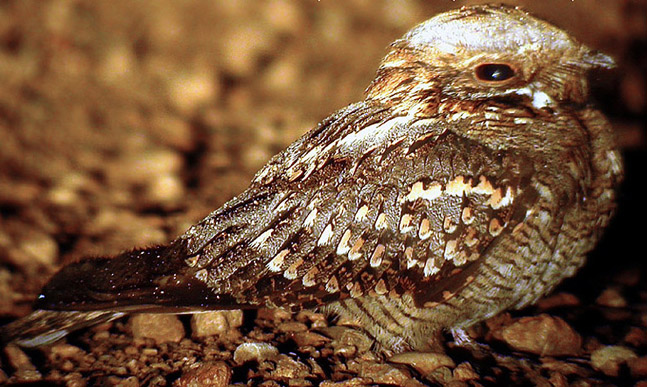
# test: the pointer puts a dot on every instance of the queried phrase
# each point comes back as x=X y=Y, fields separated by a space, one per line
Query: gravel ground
x=122 y=123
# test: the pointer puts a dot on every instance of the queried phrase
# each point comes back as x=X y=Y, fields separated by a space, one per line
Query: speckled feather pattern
x=439 y=201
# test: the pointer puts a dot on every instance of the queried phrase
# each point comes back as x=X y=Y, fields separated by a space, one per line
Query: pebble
x=638 y=367
x=189 y=91
x=39 y=247
x=424 y=362
x=164 y=190
x=206 y=374
x=215 y=323
x=314 y=339
x=387 y=374
x=254 y=352
x=543 y=335
x=25 y=370
x=288 y=368
x=464 y=372
x=611 y=298
x=558 y=300
x=161 y=328
x=609 y=359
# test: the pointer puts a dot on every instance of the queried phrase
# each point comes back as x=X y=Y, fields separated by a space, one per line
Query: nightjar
x=473 y=178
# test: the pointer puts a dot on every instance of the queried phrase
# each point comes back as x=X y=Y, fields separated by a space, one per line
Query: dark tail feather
x=43 y=327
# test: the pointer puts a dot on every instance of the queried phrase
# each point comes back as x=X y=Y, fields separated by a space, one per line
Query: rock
x=254 y=352
x=558 y=300
x=25 y=370
x=464 y=372
x=161 y=328
x=215 y=323
x=611 y=298
x=206 y=374
x=288 y=368
x=424 y=362
x=386 y=374
x=638 y=367
x=543 y=335
x=608 y=359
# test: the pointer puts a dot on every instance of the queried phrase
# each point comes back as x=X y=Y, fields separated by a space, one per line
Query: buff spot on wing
x=449 y=225
x=405 y=223
x=498 y=199
x=292 y=271
x=459 y=186
x=376 y=257
x=310 y=278
x=311 y=218
x=380 y=222
x=380 y=287
x=425 y=229
x=332 y=286
x=467 y=215
x=484 y=187
x=451 y=249
x=360 y=215
x=261 y=239
x=430 y=267
x=277 y=262
x=343 y=247
x=356 y=290
x=495 y=227
x=354 y=253
x=418 y=191
x=326 y=235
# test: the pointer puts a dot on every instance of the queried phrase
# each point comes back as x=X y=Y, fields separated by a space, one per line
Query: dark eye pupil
x=494 y=72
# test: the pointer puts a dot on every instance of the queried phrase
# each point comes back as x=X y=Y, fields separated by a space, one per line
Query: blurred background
x=124 y=122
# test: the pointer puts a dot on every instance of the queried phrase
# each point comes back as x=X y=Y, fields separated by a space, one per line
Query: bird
x=473 y=178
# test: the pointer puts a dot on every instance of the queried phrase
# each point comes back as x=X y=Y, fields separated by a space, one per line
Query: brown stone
x=543 y=335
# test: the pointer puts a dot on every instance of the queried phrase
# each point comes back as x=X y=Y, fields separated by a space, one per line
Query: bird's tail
x=43 y=327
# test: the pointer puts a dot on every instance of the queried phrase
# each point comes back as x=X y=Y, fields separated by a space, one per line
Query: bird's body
x=473 y=178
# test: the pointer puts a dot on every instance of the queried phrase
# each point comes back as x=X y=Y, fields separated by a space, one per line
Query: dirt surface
x=122 y=123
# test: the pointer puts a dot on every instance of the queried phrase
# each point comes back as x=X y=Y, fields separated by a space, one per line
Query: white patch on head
x=539 y=98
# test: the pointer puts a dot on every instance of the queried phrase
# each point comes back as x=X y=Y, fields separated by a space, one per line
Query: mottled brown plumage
x=473 y=178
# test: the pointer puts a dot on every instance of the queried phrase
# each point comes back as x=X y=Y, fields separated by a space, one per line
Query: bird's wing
x=369 y=202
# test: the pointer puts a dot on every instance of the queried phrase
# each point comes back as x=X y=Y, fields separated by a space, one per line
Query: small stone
x=164 y=190
x=464 y=372
x=348 y=341
x=314 y=339
x=611 y=298
x=192 y=90
x=638 y=367
x=288 y=368
x=66 y=351
x=292 y=326
x=543 y=335
x=161 y=328
x=424 y=362
x=636 y=337
x=215 y=323
x=206 y=374
x=25 y=370
x=386 y=374
x=558 y=300
x=608 y=359
x=39 y=247
x=254 y=352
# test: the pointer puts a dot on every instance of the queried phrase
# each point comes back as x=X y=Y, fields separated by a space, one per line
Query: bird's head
x=486 y=52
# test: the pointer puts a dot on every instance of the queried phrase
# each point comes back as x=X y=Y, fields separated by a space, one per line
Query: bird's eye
x=494 y=72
